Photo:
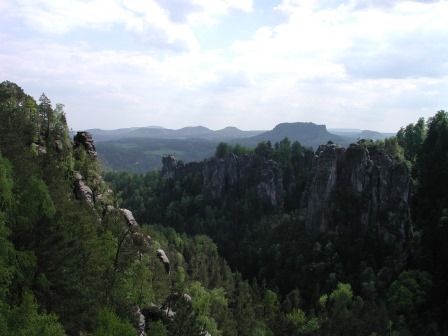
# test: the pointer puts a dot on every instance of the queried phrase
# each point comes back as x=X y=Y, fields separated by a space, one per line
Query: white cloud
x=244 y=5
x=62 y=16
x=360 y=64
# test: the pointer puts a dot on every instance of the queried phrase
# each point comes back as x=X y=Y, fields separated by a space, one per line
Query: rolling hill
x=140 y=149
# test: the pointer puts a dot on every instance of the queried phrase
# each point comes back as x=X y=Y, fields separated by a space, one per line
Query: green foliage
x=25 y=320
x=186 y=322
x=271 y=304
x=109 y=324
x=262 y=330
x=410 y=291
x=6 y=184
x=203 y=300
x=393 y=148
x=137 y=282
x=19 y=120
x=310 y=327
x=341 y=297
x=264 y=149
x=411 y=139
x=283 y=152
x=297 y=317
x=58 y=260
x=224 y=149
x=7 y=251
x=156 y=328
x=35 y=203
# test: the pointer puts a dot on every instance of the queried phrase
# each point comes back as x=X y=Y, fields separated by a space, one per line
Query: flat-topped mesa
x=358 y=189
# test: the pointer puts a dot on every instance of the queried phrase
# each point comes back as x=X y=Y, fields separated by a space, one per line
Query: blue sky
x=366 y=64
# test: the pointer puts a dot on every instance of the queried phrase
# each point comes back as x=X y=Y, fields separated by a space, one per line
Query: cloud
x=229 y=80
x=151 y=23
x=346 y=63
x=160 y=24
x=179 y=10
x=407 y=43
x=385 y=4
x=404 y=63
x=163 y=36
x=60 y=17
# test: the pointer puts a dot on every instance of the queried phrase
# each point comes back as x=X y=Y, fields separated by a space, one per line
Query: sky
x=252 y=64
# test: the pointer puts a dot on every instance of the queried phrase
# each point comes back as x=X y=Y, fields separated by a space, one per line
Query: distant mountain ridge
x=140 y=149
x=359 y=134
x=158 y=132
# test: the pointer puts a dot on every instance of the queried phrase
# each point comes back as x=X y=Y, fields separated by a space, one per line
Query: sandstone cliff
x=85 y=139
x=358 y=190
x=222 y=175
x=95 y=193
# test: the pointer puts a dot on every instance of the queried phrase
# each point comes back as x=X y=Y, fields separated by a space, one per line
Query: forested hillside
x=72 y=262
x=248 y=242
x=359 y=271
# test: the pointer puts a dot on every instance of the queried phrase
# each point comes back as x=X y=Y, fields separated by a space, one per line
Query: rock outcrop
x=171 y=165
x=96 y=194
x=164 y=259
x=356 y=189
x=222 y=175
x=359 y=190
x=270 y=188
x=130 y=220
x=82 y=190
x=85 y=139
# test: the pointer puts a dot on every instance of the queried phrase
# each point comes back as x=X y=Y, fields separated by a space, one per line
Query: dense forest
x=73 y=261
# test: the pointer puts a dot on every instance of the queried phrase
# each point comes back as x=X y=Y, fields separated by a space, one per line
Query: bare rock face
x=130 y=220
x=220 y=175
x=171 y=165
x=85 y=139
x=140 y=318
x=164 y=259
x=82 y=190
x=270 y=189
x=359 y=190
x=223 y=174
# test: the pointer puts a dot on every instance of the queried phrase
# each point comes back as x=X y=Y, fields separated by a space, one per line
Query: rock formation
x=270 y=188
x=85 y=139
x=130 y=220
x=221 y=175
x=82 y=190
x=171 y=165
x=99 y=197
x=355 y=189
x=164 y=259
x=359 y=190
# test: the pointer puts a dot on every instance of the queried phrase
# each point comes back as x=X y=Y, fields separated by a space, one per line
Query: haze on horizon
x=360 y=64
